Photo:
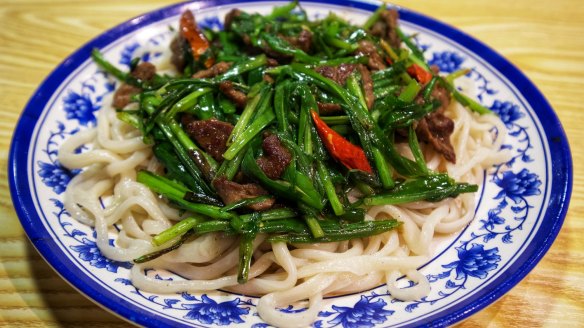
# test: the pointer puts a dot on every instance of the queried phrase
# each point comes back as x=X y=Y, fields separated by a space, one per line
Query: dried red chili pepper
x=195 y=37
x=351 y=156
x=419 y=73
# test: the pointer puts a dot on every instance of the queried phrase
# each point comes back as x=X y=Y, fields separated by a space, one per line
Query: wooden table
x=544 y=39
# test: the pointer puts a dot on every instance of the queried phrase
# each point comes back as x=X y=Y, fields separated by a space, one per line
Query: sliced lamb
x=325 y=109
x=124 y=94
x=367 y=48
x=386 y=28
x=231 y=192
x=144 y=71
x=234 y=13
x=276 y=157
x=441 y=94
x=302 y=41
x=177 y=57
x=238 y=97
x=338 y=74
x=436 y=129
x=211 y=135
x=217 y=69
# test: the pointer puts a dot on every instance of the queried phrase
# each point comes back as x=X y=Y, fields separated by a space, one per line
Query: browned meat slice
x=275 y=158
x=338 y=74
x=211 y=135
x=440 y=93
x=268 y=78
x=144 y=71
x=272 y=62
x=234 y=13
x=231 y=192
x=386 y=27
x=367 y=85
x=219 y=68
x=328 y=108
x=378 y=29
x=435 y=129
x=238 y=97
x=178 y=56
x=367 y=48
x=390 y=17
x=124 y=95
x=302 y=41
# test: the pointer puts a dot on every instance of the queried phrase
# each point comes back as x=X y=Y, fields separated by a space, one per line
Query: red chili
x=351 y=156
x=195 y=37
x=419 y=73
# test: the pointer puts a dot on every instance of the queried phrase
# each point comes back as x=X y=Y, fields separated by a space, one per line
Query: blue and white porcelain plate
x=519 y=213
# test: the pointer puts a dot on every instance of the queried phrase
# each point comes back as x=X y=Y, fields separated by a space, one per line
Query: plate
x=520 y=210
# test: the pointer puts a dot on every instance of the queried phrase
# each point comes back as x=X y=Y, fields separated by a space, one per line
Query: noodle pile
x=282 y=274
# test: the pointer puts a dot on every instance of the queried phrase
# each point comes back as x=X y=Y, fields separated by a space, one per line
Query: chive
x=176 y=230
x=429 y=87
x=186 y=159
x=302 y=191
x=374 y=17
x=245 y=256
x=227 y=106
x=410 y=92
x=314 y=226
x=280 y=106
x=187 y=102
x=259 y=90
x=387 y=48
x=204 y=161
x=213 y=226
x=464 y=100
x=98 y=58
x=384 y=171
x=434 y=187
x=455 y=75
x=329 y=188
x=176 y=193
x=282 y=46
x=257 y=126
x=342 y=129
x=282 y=10
x=375 y=154
x=417 y=53
x=129 y=118
x=175 y=169
x=154 y=255
x=337 y=232
x=415 y=147
x=229 y=168
x=334 y=120
x=245 y=202
x=238 y=69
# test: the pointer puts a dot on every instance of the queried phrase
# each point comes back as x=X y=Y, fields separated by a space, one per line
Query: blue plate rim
x=561 y=161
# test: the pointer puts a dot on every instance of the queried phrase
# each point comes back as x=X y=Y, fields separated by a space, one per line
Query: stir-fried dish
x=284 y=131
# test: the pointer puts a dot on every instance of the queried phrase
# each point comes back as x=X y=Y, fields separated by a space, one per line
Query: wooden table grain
x=545 y=39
